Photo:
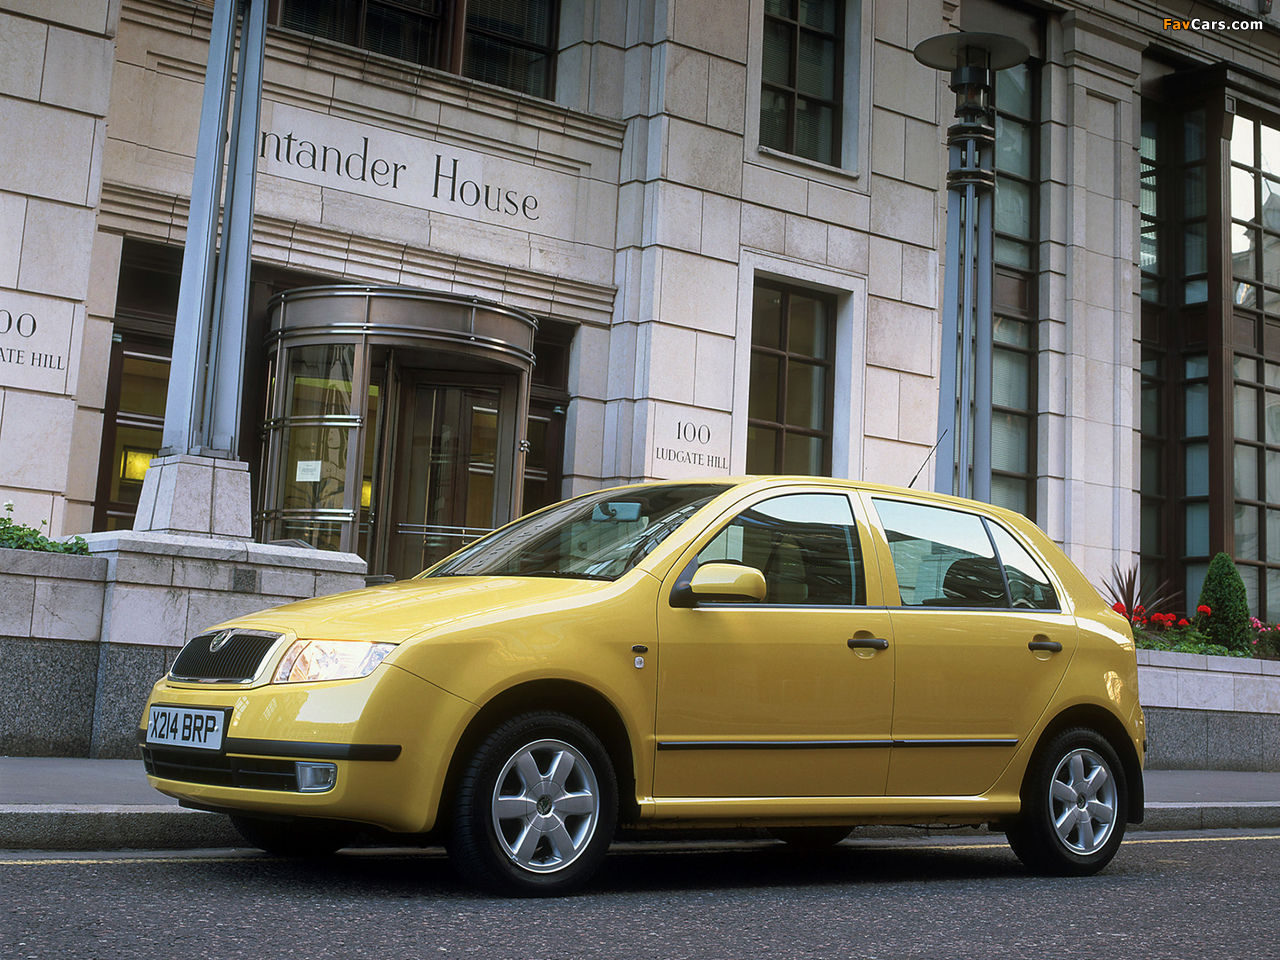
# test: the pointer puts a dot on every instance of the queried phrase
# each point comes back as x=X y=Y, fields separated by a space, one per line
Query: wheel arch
x=561 y=696
x=1107 y=725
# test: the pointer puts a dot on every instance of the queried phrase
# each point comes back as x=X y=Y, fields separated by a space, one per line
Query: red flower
x=1203 y=610
x=1118 y=607
x=1139 y=610
x=1183 y=622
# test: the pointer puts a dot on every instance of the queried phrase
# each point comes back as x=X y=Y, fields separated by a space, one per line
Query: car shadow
x=642 y=867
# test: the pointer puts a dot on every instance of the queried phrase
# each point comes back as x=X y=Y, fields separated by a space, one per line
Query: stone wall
x=50 y=624
x=84 y=638
x=1210 y=713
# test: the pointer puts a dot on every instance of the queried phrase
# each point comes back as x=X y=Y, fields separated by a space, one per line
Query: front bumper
x=389 y=735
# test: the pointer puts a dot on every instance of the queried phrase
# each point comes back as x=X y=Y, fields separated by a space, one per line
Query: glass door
x=443 y=472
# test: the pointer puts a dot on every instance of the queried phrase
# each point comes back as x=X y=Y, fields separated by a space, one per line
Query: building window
x=510 y=43
x=137 y=380
x=1176 y=386
x=1255 y=297
x=1156 y=483
x=1013 y=361
x=791 y=392
x=802 y=78
x=1210 y=259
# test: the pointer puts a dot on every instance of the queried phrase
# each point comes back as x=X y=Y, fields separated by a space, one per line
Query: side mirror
x=723 y=583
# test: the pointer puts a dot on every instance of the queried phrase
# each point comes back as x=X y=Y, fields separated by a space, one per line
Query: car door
x=791 y=696
x=981 y=645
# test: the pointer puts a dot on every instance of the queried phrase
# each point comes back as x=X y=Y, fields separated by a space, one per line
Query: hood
x=395 y=612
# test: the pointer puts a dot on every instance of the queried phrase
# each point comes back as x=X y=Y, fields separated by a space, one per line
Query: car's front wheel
x=536 y=807
x=1074 y=803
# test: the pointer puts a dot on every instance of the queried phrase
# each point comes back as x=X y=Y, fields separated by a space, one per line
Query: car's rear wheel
x=811 y=838
x=536 y=807
x=295 y=838
x=1074 y=802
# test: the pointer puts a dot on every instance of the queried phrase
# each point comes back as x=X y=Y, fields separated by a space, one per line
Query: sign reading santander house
x=338 y=154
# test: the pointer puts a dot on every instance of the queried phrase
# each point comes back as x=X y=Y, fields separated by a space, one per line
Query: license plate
x=199 y=728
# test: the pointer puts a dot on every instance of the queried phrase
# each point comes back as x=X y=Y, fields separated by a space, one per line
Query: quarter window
x=1029 y=586
x=806 y=545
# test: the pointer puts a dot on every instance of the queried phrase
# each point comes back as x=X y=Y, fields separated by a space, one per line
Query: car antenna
x=927 y=458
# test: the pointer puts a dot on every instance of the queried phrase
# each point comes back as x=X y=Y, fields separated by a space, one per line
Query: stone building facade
x=504 y=253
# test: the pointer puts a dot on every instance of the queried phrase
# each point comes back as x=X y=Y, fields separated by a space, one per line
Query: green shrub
x=18 y=536
x=1227 y=622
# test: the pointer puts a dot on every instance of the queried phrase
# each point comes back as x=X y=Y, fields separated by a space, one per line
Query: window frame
x=449 y=44
x=784 y=356
x=1016 y=297
x=855 y=97
x=791 y=91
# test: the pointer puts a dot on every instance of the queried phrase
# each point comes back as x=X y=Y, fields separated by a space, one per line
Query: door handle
x=868 y=643
x=1053 y=646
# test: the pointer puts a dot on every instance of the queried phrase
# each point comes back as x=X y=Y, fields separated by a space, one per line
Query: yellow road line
x=95 y=861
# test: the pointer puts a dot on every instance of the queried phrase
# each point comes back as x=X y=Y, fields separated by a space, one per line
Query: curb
x=90 y=826
x=42 y=826
x=1210 y=816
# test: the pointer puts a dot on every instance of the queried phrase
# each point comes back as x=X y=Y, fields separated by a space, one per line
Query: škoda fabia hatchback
x=799 y=654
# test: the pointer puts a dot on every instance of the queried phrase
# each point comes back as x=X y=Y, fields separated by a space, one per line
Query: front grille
x=238 y=655
x=189 y=766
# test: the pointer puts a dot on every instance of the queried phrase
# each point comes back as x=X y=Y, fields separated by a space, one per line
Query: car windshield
x=598 y=536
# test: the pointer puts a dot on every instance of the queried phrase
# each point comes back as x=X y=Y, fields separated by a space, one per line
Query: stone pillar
x=197 y=496
x=1088 y=297
x=55 y=85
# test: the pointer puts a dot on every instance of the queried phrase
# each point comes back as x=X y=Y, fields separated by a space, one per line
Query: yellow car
x=799 y=654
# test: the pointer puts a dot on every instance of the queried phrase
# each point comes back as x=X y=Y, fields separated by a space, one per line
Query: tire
x=811 y=838
x=295 y=838
x=1074 y=803
x=536 y=807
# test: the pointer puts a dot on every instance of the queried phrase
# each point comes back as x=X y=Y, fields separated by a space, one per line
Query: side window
x=942 y=557
x=806 y=545
x=1029 y=586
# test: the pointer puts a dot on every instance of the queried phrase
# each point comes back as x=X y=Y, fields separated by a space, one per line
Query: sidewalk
x=74 y=804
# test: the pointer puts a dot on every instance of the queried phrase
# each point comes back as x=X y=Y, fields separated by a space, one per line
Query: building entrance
x=397 y=422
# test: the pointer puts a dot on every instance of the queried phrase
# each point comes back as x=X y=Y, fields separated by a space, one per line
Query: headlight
x=311 y=660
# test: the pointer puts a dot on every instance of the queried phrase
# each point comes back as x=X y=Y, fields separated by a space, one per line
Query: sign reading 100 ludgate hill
x=688 y=442
x=35 y=342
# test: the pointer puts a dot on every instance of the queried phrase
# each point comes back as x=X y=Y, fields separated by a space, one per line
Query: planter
x=1210 y=713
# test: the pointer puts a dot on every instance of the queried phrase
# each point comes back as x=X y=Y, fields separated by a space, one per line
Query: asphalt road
x=1180 y=896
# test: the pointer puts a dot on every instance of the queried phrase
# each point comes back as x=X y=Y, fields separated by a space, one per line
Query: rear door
x=981 y=645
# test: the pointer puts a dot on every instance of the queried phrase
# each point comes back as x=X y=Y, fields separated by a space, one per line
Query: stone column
x=1088 y=296
x=56 y=64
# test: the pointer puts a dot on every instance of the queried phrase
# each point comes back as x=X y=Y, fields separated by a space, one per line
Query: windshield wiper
x=565 y=574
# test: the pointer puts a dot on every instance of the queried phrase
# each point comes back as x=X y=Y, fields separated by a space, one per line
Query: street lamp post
x=196 y=484
x=964 y=396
